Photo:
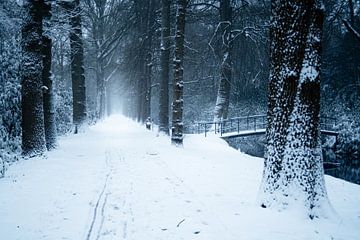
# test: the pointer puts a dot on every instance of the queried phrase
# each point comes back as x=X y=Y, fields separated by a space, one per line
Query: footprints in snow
x=115 y=216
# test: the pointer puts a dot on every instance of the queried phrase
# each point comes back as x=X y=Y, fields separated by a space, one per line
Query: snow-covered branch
x=351 y=29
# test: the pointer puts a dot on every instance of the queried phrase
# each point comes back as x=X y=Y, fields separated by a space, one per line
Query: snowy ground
x=119 y=181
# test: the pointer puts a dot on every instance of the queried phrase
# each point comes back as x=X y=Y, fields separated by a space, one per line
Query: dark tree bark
x=293 y=160
x=141 y=9
x=99 y=41
x=102 y=16
x=148 y=61
x=351 y=12
x=352 y=30
x=49 y=105
x=100 y=90
x=164 y=62
x=138 y=72
x=145 y=22
x=77 y=66
x=178 y=86
x=223 y=96
x=33 y=134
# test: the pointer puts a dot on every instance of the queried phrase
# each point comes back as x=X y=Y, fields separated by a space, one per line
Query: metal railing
x=231 y=125
x=328 y=123
x=250 y=123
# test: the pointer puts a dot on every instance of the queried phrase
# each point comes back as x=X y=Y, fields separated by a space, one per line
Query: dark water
x=252 y=145
x=348 y=167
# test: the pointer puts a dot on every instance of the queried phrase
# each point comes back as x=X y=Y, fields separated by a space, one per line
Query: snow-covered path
x=119 y=181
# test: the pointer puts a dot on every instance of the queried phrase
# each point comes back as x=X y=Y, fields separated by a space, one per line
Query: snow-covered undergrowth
x=349 y=139
x=119 y=181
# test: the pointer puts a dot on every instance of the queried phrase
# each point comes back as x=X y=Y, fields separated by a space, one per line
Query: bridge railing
x=250 y=123
x=238 y=124
x=328 y=123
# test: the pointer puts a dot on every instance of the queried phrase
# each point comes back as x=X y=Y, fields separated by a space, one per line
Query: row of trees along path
x=293 y=154
x=38 y=113
x=293 y=158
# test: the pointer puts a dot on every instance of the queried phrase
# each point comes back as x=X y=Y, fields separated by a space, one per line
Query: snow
x=243 y=133
x=309 y=72
x=119 y=181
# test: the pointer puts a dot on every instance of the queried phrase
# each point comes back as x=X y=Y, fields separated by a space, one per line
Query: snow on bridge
x=253 y=125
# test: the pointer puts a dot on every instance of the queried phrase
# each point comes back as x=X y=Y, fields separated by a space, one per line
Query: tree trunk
x=109 y=101
x=140 y=97
x=99 y=39
x=165 y=61
x=77 y=66
x=293 y=159
x=146 y=20
x=223 y=96
x=33 y=134
x=49 y=105
x=178 y=86
x=351 y=12
x=100 y=90
x=148 y=60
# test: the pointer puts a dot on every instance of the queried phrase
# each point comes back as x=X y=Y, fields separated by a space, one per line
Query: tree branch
x=205 y=5
x=351 y=29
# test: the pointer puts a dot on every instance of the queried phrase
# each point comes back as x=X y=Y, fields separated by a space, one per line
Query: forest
x=190 y=71
x=124 y=67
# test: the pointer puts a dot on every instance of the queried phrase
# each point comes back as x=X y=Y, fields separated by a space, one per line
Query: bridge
x=254 y=125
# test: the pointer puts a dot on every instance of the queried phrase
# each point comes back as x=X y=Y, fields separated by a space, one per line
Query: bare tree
x=145 y=19
x=49 y=104
x=77 y=63
x=223 y=96
x=178 y=86
x=145 y=109
x=106 y=35
x=49 y=98
x=165 y=61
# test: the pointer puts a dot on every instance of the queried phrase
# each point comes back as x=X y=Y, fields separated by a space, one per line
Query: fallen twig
x=178 y=225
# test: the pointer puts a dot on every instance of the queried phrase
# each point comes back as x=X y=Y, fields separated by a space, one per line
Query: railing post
x=254 y=123
x=221 y=127
x=215 y=127
x=198 y=128
x=264 y=121
x=238 y=125
x=205 y=128
x=326 y=126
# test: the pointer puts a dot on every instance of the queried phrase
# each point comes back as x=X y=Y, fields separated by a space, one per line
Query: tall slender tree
x=223 y=96
x=140 y=12
x=178 y=86
x=146 y=100
x=99 y=22
x=164 y=64
x=293 y=160
x=33 y=134
x=49 y=98
x=351 y=12
x=77 y=64
x=145 y=22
